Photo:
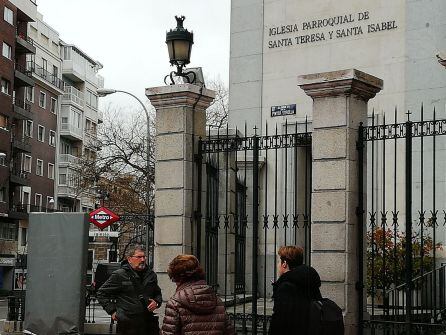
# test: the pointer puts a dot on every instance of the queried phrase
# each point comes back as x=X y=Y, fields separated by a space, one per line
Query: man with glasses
x=132 y=294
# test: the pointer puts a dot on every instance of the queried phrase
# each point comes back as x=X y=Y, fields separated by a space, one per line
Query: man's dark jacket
x=119 y=295
x=292 y=294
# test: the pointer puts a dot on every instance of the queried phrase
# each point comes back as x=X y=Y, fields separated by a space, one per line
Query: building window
x=6 y=86
x=67 y=53
x=28 y=128
x=38 y=201
x=41 y=133
x=77 y=119
x=52 y=139
x=26 y=200
x=50 y=170
x=8 y=16
x=44 y=62
x=27 y=163
x=92 y=99
x=39 y=167
x=24 y=236
x=42 y=100
x=8 y=231
x=4 y=122
x=3 y=194
x=55 y=71
x=30 y=94
x=90 y=259
x=53 y=106
x=2 y=161
x=65 y=148
x=7 y=50
x=62 y=178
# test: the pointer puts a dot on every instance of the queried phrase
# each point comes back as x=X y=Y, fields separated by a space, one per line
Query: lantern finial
x=180 y=20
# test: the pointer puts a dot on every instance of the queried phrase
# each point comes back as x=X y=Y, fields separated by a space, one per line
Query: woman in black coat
x=297 y=285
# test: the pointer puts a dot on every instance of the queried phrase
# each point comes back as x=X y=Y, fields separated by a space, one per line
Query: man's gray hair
x=132 y=248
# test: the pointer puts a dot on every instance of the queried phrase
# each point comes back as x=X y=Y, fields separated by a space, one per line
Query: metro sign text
x=103 y=217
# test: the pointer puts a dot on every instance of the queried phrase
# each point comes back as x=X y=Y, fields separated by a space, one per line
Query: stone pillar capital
x=344 y=82
x=183 y=95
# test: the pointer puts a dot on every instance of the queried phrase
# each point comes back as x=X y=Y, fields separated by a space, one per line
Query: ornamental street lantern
x=179 y=45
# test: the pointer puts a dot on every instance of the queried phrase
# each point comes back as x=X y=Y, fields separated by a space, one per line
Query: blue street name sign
x=283 y=110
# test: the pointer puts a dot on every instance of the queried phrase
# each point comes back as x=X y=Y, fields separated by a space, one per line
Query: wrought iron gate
x=402 y=247
x=257 y=198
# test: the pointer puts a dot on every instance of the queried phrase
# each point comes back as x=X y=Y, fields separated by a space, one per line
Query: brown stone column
x=180 y=121
x=339 y=105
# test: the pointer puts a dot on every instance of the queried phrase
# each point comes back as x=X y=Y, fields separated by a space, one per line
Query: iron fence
x=258 y=192
x=16 y=308
x=403 y=268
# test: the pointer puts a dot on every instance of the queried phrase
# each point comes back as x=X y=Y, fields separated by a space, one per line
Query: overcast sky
x=128 y=38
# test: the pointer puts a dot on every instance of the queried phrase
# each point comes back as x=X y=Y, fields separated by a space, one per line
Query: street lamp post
x=102 y=92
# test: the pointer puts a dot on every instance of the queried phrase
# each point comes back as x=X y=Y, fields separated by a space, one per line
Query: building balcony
x=27 y=9
x=22 y=144
x=39 y=209
x=71 y=132
x=65 y=191
x=91 y=141
x=68 y=160
x=19 y=211
x=23 y=76
x=73 y=96
x=91 y=113
x=51 y=80
x=74 y=69
x=19 y=177
x=22 y=109
x=24 y=44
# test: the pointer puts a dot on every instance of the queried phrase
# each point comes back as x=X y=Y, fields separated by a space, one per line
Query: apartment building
x=48 y=121
x=41 y=131
x=16 y=117
x=78 y=122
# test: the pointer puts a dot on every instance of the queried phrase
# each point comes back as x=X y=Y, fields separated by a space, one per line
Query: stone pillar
x=339 y=105
x=180 y=121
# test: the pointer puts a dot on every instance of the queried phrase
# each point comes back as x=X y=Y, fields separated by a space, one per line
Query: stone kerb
x=180 y=121
x=339 y=105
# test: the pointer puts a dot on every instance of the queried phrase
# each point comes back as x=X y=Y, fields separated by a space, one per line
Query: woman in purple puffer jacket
x=194 y=308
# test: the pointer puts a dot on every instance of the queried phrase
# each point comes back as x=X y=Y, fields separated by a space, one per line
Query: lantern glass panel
x=181 y=49
x=170 y=50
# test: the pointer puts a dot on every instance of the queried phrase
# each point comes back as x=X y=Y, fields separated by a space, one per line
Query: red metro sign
x=103 y=217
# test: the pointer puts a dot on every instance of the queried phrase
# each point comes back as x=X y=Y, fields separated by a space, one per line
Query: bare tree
x=115 y=167
x=217 y=113
x=123 y=151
